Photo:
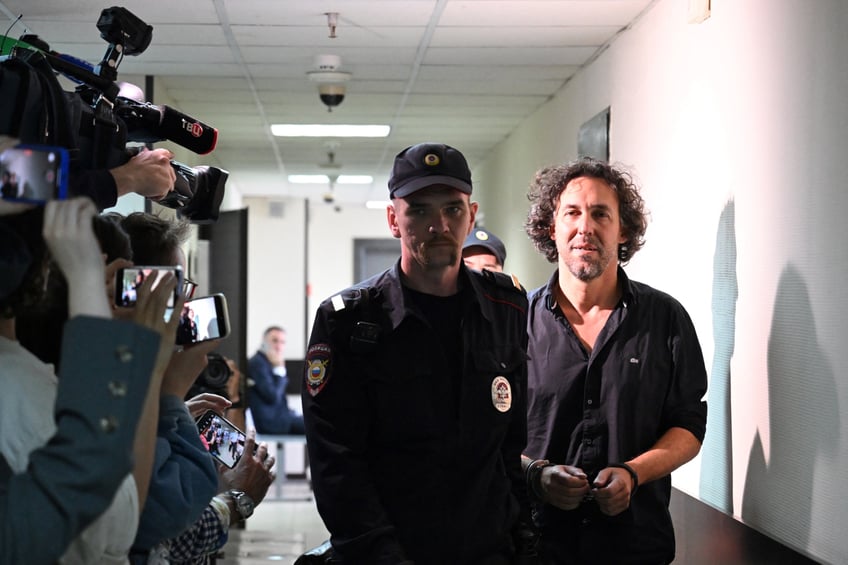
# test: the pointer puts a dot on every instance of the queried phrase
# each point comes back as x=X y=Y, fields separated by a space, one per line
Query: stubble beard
x=587 y=269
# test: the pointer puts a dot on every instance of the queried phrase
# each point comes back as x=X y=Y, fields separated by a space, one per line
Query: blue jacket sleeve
x=71 y=480
x=184 y=477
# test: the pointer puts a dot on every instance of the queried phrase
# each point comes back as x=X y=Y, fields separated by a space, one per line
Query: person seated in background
x=98 y=461
x=483 y=250
x=267 y=381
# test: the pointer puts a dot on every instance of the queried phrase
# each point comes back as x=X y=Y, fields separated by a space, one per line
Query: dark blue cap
x=484 y=238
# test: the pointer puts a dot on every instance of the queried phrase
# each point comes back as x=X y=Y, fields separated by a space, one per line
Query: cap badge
x=317 y=367
x=481 y=235
x=431 y=160
x=501 y=394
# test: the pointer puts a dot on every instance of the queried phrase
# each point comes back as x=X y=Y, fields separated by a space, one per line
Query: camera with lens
x=97 y=120
x=214 y=377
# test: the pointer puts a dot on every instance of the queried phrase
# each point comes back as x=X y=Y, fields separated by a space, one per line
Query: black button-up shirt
x=645 y=374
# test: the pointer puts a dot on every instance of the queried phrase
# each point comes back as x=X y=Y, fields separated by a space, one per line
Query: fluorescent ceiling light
x=324 y=179
x=377 y=204
x=309 y=179
x=355 y=179
x=329 y=130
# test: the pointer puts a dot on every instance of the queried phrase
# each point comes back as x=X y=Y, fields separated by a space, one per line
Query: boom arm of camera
x=108 y=89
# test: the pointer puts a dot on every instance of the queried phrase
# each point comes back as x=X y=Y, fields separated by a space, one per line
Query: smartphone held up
x=34 y=173
x=129 y=279
x=202 y=319
x=221 y=437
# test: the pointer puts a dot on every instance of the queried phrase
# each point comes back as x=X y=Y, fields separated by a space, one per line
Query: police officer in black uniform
x=415 y=390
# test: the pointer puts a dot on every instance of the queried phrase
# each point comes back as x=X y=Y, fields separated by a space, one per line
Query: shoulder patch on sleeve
x=318 y=359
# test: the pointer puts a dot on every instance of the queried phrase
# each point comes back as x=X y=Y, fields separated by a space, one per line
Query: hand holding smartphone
x=129 y=279
x=202 y=319
x=34 y=173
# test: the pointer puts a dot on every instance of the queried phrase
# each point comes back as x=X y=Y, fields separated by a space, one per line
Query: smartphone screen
x=203 y=319
x=34 y=173
x=129 y=279
x=221 y=438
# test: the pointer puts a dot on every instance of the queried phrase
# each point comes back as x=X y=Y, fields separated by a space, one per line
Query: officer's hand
x=613 y=490
x=564 y=486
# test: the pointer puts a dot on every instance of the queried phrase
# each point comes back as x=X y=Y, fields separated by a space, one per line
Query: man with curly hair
x=616 y=376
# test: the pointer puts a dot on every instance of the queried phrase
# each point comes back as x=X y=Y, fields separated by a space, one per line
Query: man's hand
x=149 y=173
x=252 y=474
x=564 y=486
x=198 y=405
x=613 y=490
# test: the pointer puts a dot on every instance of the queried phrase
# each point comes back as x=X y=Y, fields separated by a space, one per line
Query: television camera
x=97 y=120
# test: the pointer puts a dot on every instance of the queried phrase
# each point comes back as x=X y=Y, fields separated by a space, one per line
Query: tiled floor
x=279 y=530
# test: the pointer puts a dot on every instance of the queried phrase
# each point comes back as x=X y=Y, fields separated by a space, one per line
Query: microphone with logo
x=149 y=123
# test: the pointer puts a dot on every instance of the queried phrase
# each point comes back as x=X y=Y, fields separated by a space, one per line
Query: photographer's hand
x=148 y=173
x=185 y=366
x=252 y=474
x=149 y=311
x=69 y=235
x=199 y=404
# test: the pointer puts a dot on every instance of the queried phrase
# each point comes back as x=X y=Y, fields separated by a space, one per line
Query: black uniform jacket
x=407 y=464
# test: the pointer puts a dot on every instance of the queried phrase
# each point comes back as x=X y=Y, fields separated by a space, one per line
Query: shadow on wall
x=803 y=419
x=717 y=460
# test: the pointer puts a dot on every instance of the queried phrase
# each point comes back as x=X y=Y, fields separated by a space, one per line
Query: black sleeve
x=335 y=410
x=99 y=185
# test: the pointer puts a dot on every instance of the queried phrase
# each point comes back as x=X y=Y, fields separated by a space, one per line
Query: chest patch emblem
x=317 y=367
x=501 y=394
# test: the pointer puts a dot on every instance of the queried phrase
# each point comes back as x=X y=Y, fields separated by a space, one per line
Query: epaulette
x=504 y=280
x=356 y=307
x=353 y=299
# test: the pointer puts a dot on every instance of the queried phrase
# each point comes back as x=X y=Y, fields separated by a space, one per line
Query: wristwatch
x=244 y=504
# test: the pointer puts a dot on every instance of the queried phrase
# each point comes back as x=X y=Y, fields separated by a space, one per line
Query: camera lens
x=216 y=374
